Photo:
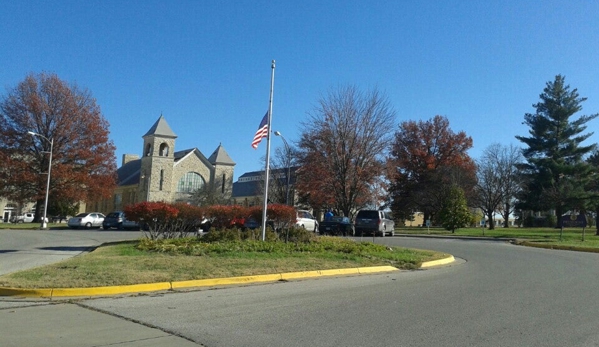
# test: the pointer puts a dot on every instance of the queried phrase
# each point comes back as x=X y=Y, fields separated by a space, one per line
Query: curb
x=50 y=293
x=438 y=262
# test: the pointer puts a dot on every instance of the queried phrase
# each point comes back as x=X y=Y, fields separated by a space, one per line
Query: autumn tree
x=498 y=181
x=83 y=160
x=342 y=148
x=427 y=158
x=555 y=171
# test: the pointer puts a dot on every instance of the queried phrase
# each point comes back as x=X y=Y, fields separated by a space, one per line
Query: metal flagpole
x=267 y=168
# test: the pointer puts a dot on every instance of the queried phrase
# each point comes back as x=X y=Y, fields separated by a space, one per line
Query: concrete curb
x=438 y=262
x=50 y=293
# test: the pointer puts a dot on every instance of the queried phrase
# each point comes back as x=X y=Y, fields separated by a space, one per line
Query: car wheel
x=119 y=226
x=88 y=225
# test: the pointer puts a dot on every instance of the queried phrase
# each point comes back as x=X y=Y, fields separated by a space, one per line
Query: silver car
x=86 y=220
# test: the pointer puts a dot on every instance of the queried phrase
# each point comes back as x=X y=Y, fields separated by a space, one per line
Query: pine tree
x=454 y=212
x=556 y=173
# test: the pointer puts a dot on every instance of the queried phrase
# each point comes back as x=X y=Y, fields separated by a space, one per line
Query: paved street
x=22 y=249
x=496 y=294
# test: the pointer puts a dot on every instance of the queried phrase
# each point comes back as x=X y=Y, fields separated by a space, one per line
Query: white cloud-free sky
x=205 y=65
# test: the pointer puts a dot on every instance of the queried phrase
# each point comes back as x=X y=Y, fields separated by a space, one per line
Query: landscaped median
x=146 y=266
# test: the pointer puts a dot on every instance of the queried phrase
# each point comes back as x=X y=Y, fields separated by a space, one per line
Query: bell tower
x=157 y=163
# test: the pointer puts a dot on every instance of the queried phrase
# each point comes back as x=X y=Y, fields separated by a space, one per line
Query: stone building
x=163 y=174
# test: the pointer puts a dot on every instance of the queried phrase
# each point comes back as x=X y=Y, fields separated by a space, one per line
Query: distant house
x=163 y=174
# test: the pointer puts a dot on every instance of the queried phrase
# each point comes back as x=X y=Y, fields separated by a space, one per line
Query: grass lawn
x=146 y=261
x=571 y=238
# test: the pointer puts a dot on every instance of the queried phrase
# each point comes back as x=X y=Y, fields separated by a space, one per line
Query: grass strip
x=147 y=261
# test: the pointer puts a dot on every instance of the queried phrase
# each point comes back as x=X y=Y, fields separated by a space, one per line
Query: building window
x=118 y=199
x=161 y=178
x=163 y=150
x=148 y=150
x=190 y=182
x=222 y=189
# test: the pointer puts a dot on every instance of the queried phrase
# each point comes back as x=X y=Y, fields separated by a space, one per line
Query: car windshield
x=82 y=215
x=368 y=214
x=114 y=215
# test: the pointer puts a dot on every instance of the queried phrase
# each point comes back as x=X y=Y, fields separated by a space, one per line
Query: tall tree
x=342 y=147
x=556 y=172
x=83 y=160
x=497 y=181
x=593 y=187
x=426 y=159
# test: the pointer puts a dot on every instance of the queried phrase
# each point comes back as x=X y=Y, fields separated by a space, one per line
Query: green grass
x=571 y=238
x=147 y=261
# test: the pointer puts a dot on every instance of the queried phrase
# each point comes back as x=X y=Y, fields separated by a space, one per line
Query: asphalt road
x=22 y=249
x=496 y=294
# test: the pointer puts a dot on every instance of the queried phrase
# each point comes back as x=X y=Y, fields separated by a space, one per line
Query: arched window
x=148 y=150
x=163 y=150
x=190 y=182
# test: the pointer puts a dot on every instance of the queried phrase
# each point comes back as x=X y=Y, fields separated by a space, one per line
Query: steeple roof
x=161 y=128
x=220 y=156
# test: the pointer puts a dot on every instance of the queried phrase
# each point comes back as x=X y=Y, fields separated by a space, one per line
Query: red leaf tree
x=426 y=159
x=83 y=159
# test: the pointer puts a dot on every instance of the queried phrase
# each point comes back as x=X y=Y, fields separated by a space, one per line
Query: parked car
x=130 y=225
x=374 y=222
x=86 y=220
x=26 y=218
x=306 y=220
x=113 y=220
x=337 y=226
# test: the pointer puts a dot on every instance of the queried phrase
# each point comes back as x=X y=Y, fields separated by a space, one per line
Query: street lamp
x=44 y=223
x=277 y=133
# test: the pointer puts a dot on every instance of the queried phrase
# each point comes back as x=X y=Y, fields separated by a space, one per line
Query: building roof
x=161 y=128
x=251 y=183
x=129 y=173
x=220 y=156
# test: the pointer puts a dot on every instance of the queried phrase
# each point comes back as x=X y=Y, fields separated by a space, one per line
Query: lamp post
x=277 y=133
x=51 y=141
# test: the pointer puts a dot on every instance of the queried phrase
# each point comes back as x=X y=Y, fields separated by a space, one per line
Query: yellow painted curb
x=225 y=281
x=443 y=261
x=27 y=293
x=151 y=287
x=112 y=290
x=373 y=269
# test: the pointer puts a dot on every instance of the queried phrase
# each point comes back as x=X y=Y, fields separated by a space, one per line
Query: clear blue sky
x=205 y=65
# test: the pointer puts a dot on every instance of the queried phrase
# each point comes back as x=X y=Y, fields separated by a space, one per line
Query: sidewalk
x=35 y=324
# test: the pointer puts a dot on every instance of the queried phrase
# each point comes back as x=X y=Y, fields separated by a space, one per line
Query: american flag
x=262 y=131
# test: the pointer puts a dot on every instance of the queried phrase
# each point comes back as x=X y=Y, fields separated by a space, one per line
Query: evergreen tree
x=556 y=173
x=454 y=212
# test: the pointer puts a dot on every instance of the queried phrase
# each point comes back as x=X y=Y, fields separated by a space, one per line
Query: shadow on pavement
x=66 y=248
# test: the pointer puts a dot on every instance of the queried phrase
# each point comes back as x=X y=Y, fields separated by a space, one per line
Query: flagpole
x=267 y=168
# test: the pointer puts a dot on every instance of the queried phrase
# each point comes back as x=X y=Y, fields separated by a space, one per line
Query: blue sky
x=205 y=65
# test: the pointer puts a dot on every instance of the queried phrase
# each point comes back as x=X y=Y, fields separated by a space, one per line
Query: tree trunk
x=491 y=221
x=597 y=220
x=506 y=217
